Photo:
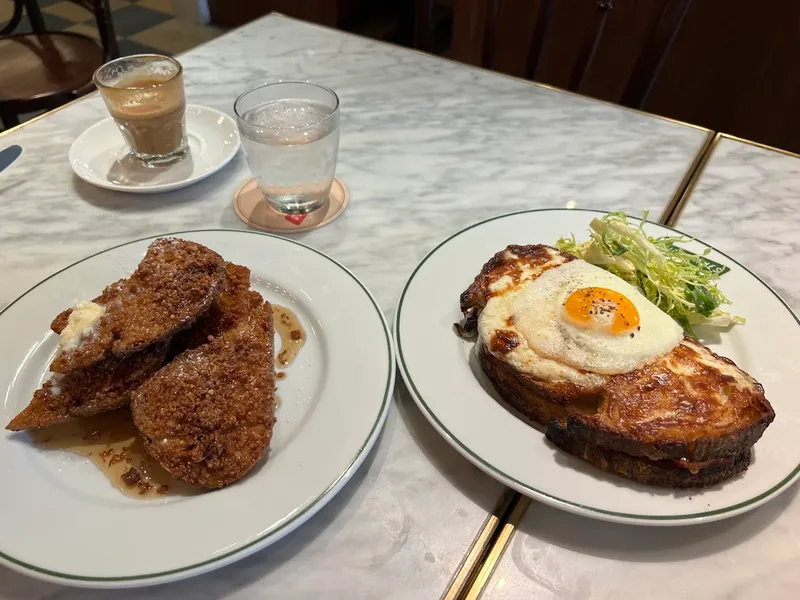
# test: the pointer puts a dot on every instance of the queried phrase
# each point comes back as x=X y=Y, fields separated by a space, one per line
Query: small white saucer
x=100 y=156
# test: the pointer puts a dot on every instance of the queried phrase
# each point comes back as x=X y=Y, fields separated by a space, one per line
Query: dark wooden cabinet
x=729 y=65
x=233 y=13
x=735 y=68
x=573 y=29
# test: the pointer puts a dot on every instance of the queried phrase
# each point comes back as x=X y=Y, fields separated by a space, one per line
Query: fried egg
x=574 y=320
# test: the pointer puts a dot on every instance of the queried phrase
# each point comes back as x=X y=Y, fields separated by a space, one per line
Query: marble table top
x=745 y=204
x=427 y=147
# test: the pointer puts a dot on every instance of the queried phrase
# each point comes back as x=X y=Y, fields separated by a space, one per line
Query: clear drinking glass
x=290 y=135
x=144 y=93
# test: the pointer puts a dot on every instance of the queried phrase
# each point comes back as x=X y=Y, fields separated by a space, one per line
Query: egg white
x=553 y=348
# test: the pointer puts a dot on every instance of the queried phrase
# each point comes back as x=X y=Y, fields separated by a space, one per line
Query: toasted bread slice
x=235 y=303
x=688 y=410
x=208 y=416
x=663 y=473
x=691 y=404
x=104 y=386
x=172 y=287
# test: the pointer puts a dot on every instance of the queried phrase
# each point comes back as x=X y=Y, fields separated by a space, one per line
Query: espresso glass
x=144 y=93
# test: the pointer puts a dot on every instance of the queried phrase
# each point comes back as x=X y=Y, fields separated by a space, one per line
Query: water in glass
x=291 y=147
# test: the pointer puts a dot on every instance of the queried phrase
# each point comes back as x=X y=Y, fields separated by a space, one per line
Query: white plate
x=452 y=391
x=100 y=156
x=63 y=521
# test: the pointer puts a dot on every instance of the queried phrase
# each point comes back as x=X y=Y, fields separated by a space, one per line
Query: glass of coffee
x=144 y=93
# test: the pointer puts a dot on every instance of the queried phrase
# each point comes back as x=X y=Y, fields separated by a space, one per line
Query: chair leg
x=35 y=16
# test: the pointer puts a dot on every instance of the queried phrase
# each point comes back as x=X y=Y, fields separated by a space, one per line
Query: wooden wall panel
x=735 y=67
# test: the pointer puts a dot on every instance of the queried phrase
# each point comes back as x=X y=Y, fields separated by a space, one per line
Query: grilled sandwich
x=610 y=376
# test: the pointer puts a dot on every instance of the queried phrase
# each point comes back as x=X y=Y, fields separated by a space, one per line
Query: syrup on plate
x=293 y=336
x=112 y=442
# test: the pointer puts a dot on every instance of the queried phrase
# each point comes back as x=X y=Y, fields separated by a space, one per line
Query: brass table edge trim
x=473 y=558
x=520 y=506
x=698 y=171
x=694 y=174
x=734 y=138
x=498 y=73
x=45 y=114
x=684 y=189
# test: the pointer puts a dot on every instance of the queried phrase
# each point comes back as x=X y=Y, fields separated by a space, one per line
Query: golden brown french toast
x=235 y=303
x=172 y=287
x=104 y=386
x=207 y=416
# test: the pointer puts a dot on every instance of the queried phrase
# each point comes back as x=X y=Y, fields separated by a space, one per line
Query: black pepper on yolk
x=601 y=308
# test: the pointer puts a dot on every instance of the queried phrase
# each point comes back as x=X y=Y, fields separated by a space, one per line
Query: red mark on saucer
x=295 y=219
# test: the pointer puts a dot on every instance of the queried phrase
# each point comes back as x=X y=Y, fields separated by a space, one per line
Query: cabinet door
x=570 y=29
x=735 y=67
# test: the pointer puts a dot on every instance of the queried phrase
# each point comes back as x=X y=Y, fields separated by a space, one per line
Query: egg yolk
x=601 y=308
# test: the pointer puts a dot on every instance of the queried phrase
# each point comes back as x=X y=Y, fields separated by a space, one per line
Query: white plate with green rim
x=62 y=519
x=455 y=396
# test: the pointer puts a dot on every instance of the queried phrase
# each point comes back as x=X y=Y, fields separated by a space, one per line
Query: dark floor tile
x=132 y=19
x=24 y=26
x=54 y=23
x=51 y=22
x=128 y=47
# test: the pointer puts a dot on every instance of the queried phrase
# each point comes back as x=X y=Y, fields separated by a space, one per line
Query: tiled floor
x=141 y=25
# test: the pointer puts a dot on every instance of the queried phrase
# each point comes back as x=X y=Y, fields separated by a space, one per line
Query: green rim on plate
x=293 y=520
x=523 y=487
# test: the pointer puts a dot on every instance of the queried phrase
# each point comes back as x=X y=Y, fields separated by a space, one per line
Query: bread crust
x=690 y=407
x=207 y=417
x=175 y=283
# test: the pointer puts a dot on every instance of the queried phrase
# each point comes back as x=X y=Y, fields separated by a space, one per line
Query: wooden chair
x=43 y=70
x=509 y=36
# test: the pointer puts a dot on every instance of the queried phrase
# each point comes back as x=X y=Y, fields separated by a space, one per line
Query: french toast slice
x=104 y=386
x=235 y=303
x=207 y=417
x=689 y=411
x=172 y=287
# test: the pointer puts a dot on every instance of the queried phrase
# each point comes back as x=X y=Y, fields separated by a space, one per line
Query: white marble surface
x=427 y=147
x=745 y=204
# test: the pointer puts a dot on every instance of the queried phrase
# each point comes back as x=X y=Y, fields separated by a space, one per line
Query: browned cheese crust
x=207 y=417
x=512 y=263
x=175 y=283
x=690 y=407
x=104 y=386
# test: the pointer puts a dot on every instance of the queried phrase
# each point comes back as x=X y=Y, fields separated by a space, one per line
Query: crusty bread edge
x=579 y=440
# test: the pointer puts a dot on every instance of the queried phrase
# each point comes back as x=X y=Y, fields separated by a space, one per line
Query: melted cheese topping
x=621 y=332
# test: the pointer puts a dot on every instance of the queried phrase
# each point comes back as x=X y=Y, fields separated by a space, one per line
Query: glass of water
x=290 y=134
